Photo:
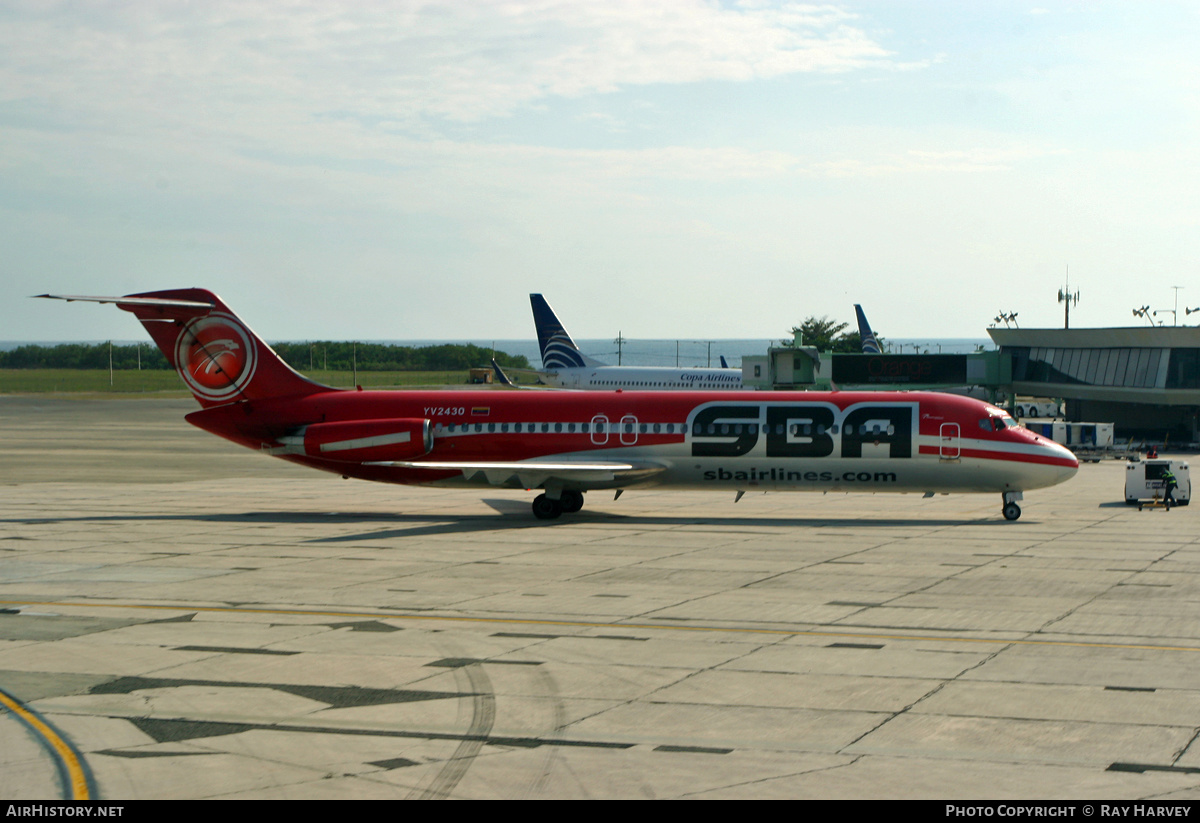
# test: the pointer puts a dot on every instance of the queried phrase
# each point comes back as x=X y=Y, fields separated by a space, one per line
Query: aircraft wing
x=536 y=473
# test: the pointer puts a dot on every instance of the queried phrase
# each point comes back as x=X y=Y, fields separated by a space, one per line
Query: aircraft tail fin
x=558 y=349
x=501 y=377
x=219 y=358
x=870 y=344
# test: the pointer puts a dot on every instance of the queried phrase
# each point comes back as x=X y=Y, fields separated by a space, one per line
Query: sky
x=679 y=169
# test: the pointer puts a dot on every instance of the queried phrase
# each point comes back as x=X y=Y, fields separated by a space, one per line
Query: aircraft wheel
x=546 y=509
x=572 y=501
x=1011 y=511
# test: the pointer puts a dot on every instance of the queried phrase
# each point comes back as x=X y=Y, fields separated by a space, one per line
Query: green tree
x=322 y=354
x=828 y=335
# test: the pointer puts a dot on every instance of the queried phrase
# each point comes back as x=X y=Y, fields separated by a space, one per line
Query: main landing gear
x=1011 y=510
x=547 y=508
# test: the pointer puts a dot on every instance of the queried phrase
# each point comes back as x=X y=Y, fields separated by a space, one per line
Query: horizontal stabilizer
x=219 y=358
x=149 y=302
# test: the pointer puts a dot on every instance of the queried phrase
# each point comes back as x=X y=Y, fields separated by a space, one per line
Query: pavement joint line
x=586 y=624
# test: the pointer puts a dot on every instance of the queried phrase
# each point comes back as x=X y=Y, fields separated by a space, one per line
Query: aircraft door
x=600 y=429
x=629 y=430
x=949 y=448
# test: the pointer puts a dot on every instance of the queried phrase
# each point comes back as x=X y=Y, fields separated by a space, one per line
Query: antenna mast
x=1065 y=296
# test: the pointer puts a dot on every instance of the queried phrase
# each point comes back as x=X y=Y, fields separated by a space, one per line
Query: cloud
x=400 y=63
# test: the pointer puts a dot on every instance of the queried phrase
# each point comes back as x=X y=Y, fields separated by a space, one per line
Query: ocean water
x=681 y=353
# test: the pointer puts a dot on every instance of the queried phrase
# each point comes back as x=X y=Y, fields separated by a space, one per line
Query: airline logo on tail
x=870 y=345
x=559 y=352
x=216 y=356
x=558 y=349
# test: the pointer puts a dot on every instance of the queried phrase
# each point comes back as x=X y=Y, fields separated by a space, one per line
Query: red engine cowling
x=360 y=441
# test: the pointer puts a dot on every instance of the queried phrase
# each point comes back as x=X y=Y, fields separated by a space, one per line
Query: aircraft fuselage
x=567 y=443
x=810 y=441
x=643 y=378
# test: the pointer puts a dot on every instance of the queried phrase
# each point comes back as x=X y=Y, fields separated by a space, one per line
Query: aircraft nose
x=1069 y=464
x=1054 y=463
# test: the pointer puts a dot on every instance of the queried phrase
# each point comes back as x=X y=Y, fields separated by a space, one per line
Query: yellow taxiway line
x=68 y=761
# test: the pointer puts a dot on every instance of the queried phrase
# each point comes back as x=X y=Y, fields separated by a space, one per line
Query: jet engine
x=361 y=441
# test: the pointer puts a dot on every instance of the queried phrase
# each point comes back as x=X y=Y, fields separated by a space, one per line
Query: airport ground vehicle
x=1144 y=481
x=1036 y=407
x=568 y=443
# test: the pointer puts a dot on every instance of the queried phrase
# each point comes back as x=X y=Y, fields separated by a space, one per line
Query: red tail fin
x=219 y=358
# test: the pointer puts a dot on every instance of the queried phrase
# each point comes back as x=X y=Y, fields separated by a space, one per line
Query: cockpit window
x=996 y=423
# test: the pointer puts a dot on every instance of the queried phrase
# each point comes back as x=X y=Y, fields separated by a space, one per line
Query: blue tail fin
x=501 y=377
x=558 y=349
x=870 y=344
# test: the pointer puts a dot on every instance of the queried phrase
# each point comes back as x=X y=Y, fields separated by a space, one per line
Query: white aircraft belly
x=919 y=473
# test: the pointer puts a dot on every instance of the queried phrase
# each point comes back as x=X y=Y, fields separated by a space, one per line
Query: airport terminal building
x=1145 y=380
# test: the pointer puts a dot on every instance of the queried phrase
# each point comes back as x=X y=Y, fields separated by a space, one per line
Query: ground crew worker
x=1169 y=484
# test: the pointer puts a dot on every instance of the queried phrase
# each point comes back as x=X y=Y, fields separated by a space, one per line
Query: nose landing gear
x=1011 y=510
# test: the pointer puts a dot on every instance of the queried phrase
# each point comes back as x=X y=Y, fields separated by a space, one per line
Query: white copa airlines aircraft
x=568 y=443
x=565 y=366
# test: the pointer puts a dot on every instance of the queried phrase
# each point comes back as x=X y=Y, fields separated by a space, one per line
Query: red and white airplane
x=568 y=443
